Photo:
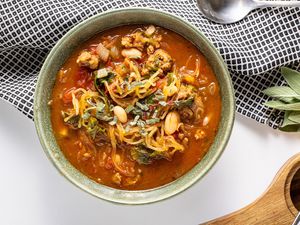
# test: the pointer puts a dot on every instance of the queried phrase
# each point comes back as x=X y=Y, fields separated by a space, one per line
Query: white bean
x=172 y=122
x=120 y=113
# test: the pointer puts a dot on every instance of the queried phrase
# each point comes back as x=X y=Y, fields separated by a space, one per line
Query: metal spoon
x=231 y=11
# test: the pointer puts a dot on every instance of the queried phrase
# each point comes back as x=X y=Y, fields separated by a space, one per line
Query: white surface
x=32 y=192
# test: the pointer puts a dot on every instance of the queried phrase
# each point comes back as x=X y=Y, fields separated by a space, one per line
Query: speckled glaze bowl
x=88 y=29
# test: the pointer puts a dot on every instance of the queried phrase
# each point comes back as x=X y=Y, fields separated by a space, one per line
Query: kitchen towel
x=254 y=48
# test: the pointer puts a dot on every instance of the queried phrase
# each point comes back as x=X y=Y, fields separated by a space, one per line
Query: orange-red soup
x=95 y=157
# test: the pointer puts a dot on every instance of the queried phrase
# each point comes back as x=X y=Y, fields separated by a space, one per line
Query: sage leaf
x=289 y=125
x=283 y=106
x=291 y=128
x=282 y=93
x=290 y=100
x=295 y=117
x=292 y=77
x=287 y=98
x=286 y=120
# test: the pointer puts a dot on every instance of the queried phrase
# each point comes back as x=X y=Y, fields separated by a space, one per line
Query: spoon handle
x=264 y=4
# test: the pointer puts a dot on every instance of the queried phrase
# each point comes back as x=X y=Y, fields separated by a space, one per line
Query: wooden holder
x=273 y=207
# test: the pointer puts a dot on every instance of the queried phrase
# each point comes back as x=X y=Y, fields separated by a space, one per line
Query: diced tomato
x=141 y=60
x=175 y=135
x=144 y=117
x=90 y=85
x=84 y=79
x=109 y=164
x=113 y=86
x=151 y=107
x=170 y=102
x=93 y=50
x=109 y=63
x=160 y=83
x=81 y=74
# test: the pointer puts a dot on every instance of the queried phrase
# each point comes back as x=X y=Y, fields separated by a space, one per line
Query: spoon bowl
x=231 y=11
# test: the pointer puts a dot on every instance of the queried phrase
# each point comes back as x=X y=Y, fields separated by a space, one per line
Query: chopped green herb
x=141 y=106
x=141 y=155
x=137 y=111
x=143 y=132
x=111 y=107
x=135 y=84
x=93 y=131
x=158 y=95
x=141 y=123
x=152 y=121
x=86 y=115
x=184 y=103
x=103 y=117
x=150 y=99
x=133 y=123
x=101 y=73
x=162 y=103
x=170 y=78
x=144 y=155
x=73 y=121
x=127 y=128
x=114 y=121
x=129 y=108
x=155 y=97
x=100 y=107
x=99 y=81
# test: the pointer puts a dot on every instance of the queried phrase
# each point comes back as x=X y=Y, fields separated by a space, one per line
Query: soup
x=135 y=107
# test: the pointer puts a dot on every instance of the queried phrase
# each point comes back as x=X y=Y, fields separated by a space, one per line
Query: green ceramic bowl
x=88 y=29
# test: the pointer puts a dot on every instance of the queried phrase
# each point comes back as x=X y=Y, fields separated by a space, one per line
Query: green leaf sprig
x=287 y=98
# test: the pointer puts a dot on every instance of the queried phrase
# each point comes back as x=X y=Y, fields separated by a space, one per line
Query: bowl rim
x=123 y=196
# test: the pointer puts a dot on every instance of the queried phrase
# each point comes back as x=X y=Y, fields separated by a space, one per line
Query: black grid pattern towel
x=254 y=48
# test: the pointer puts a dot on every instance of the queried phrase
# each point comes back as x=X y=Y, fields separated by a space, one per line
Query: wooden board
x=275 y=206
x=295 y=190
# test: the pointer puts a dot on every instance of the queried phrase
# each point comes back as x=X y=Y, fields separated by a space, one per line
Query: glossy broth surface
x=98 y=166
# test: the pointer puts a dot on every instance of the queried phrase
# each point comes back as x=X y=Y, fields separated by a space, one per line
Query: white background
x=32 y=192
